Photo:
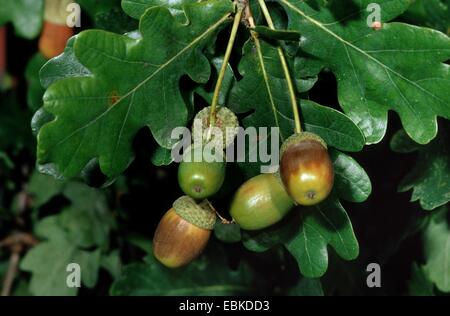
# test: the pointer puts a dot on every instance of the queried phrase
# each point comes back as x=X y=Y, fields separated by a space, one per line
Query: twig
x=12 y=269
x=16 y=242
x=222 y=219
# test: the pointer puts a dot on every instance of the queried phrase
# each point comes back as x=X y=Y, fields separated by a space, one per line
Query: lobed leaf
x=98 y=115
x=400 y=67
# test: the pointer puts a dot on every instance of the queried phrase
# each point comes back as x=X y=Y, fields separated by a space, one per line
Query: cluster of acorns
x=305 y=178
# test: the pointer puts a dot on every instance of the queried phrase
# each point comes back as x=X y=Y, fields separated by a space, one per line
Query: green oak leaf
x=283 y=35
x=430 y=177
x=227 y=233
x=94 y=7
x=208 y=275
x=112 y=263
x=35 y=89
x=48 y=262
x=99 y=115
x=25 y=15
x=400 y=67
x=307 y=231
x=419 y=285
x=263 y=89
x=108 y=15
x=437 y=250
x=63 y=66
x=207 y=91
x=79 y=234
x=322 y=225
x=136 y=8
x=43 y=188
x=429 y=13
x=351 y=181
x=14 y=123
x=307 y=287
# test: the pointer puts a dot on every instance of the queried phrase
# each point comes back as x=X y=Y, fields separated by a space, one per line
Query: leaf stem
x=292 y=95
x=215 y=99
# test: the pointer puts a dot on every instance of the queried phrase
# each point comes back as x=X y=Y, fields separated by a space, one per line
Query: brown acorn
x=53 y=39
x=306 y=168
x=55 y=32
x=183 y=232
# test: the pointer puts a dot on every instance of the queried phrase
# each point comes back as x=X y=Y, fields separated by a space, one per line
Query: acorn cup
x=260 y=202
x=55 y=32
x=226 y=121
x=306 y=168
x=183 y=232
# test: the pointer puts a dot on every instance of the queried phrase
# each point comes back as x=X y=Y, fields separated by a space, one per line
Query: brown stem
x=222 y=219
x=12 y=270
x=25 y=239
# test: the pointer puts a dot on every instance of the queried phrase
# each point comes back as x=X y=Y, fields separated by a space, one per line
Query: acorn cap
x=200 y=215
x=225 y=118
x=299 y=137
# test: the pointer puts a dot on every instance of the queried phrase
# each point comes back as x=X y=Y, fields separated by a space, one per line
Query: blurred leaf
x=136 y=8
x=437 y=250
x=115 y=20
x=283 y=35
x=228 y=233
x=35 y=90
x=419 y=285
x=14 y=123
x=48 y=263
x=429 y=13
x=140 y=242
x=307 y=287
x=402 y=143
x=208 y=275
x=25 y=15
x=86 y=224
x=94 y=7
x=430 y=177
x=43 y=188
x=112 y=263
x=162 y=156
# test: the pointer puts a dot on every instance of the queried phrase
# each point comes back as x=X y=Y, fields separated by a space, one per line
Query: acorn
x=306 y=168
x=260 y=202
x=200 y=179
x=55 y=32
x=183 y=232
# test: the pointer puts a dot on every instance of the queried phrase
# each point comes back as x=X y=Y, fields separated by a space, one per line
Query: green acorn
x=260 y=202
